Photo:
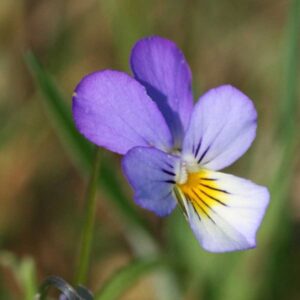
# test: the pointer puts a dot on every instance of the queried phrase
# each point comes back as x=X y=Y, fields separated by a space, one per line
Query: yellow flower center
x=202 y=191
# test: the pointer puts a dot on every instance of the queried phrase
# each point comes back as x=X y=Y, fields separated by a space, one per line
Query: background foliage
x=46 y=48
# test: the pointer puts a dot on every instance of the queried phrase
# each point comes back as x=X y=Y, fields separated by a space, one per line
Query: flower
x=172 y=148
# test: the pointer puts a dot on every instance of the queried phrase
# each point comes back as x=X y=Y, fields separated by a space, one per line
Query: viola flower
x=174 y=149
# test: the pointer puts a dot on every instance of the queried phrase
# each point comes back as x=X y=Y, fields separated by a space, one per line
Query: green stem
x=88 y=224
x=288 y=112
x=288 y=121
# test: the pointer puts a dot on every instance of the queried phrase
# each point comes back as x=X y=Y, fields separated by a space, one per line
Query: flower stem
x=88 y=224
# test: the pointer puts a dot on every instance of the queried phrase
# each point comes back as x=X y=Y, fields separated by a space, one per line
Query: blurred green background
x=46 y=48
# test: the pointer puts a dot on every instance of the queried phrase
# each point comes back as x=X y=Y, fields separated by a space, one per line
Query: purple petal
x=161 y=67
x=222 y=128
x=152 y=173
x=229 y=213
x=113 y=110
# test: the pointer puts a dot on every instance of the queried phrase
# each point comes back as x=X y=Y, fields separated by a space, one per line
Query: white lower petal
x=232 y=223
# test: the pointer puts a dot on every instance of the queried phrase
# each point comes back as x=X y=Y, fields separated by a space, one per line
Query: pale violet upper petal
x=222 y=128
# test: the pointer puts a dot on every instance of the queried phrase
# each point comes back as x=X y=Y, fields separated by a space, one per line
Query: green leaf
x=24 y=271
x=126 y=277
x=59 y=114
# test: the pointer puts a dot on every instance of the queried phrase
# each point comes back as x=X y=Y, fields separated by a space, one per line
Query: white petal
x=230 y=224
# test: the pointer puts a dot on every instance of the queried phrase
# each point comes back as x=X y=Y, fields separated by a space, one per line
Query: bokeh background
x=46 y=48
